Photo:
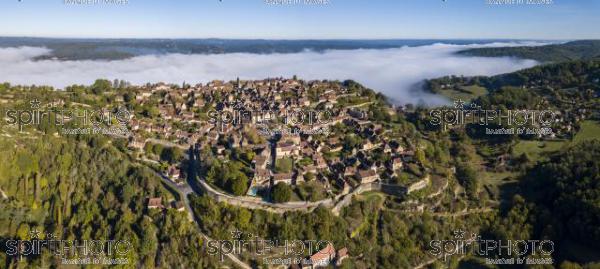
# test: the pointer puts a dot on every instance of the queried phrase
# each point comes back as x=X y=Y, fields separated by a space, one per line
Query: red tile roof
x=324 y=256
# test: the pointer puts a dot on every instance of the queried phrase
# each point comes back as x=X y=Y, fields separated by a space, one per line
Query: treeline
x=575 y=50
x=561 y=75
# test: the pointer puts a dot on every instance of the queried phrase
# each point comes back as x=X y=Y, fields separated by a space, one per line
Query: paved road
x=3 y=194
x=184 y=191
x=257 y=203
x=427 y=262
x=464 y=212
x=200 y=186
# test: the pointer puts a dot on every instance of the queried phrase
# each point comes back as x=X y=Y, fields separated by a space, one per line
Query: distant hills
x=116 y=49
x=575 y=50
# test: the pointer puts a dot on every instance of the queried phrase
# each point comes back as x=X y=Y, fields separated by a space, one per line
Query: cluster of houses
x=184 y=106
x=181 y=118
x=312 y=163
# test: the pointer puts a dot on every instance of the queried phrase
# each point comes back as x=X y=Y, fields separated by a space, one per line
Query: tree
x=253 y=136
x=281 y=193
x=171 y=154
x=23 y=231
x=569 y=265
x=284 y=165
x=100 y=86
x=157 y=149
x=109 y=203
x=467 y=176
x=352 y=141
x=246 y=155
x=420 y=156
x=239 y=185
x=128 y=97
x=243 y=217
x=150 y=111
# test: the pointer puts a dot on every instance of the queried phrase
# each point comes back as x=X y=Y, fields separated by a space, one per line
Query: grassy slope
x=589 y=130
x=466 y=93
x=536 y=149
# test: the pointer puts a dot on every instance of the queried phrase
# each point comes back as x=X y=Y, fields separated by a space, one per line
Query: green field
x=371 y=195
x=493 y=182
x=497 y=178
x=537 y=149
x=589 y=130
x=466 y=93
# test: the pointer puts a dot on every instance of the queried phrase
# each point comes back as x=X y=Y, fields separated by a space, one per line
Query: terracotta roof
x=366 y=173
x=262 y=173
x=260 y=160
x=155 y=202
x=282 y=176
x=323 y=256
x=350 y=170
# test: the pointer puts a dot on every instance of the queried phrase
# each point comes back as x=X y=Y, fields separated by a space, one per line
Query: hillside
x=575 y=50
x=581 y=74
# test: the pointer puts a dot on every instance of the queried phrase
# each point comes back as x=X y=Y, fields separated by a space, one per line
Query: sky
x=338 y=19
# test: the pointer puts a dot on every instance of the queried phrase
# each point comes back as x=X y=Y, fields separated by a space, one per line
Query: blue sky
x=340 y=19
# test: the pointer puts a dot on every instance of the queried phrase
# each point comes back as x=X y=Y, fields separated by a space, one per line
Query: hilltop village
x=255 y=135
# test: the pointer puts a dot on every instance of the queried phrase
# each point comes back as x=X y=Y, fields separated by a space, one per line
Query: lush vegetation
x=365 y=228
x=229 y=176
x=559 y=201
x=588 y=130
x=86 y=188
x=575 y=50
x=281 y=193
x=582 y=74
x=544 y=187
x=567 y=187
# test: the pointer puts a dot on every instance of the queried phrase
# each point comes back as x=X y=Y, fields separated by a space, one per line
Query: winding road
x=184 y=192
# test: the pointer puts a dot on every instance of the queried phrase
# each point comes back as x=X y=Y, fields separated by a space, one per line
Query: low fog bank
x=394 y=72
